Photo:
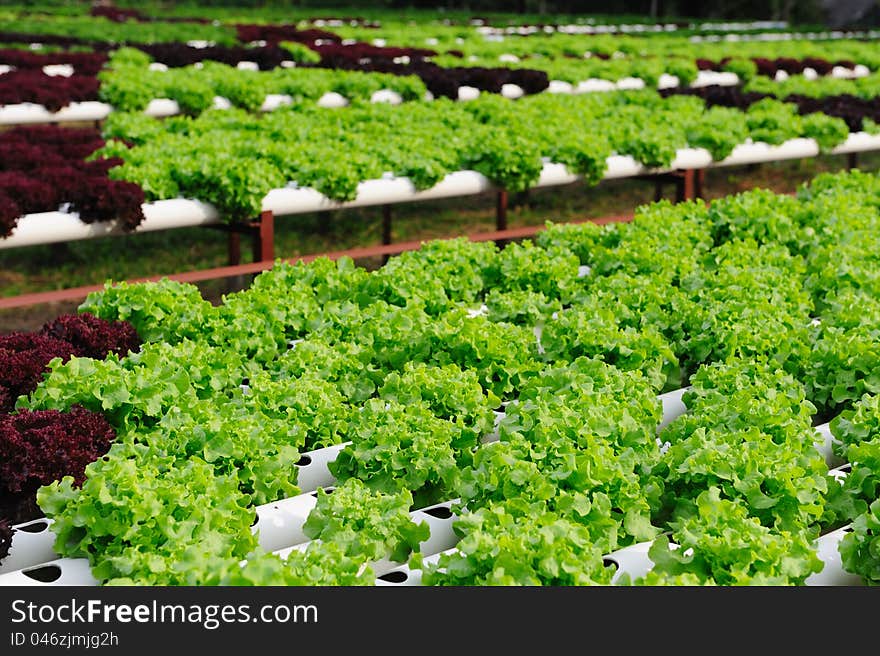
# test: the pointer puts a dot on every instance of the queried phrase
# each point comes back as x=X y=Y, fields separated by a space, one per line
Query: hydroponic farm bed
x=686 y=399
x=59 y=227
x=221 y=151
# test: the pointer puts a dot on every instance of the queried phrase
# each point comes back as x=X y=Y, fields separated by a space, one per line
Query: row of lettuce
x=765 y=304
x=232 y=159
x=39 y=447
x=354 y=70
x=374 y=17
x=129 y=85
x=420 y=30
x=441 y=58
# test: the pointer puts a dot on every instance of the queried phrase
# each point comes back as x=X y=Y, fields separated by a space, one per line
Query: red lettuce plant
x=53 y=92
x=42 y=446
x=24 y=356
x=278 y=33
x=84 y=63
x=93 y=337
x=23 y=359
x=43 y=167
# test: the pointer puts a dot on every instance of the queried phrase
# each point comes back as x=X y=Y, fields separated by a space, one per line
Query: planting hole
x=246 y=381
x=394 y=577
x=305 y=460
x=440 y=512
x=45 y=574
x=610 y=562
x=35 y=527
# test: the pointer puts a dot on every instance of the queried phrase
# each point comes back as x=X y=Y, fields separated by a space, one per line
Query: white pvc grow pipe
x=27 y=113
x=292 y=200
x=49 y=227
x=635 y=562
x=66 y=571
x=32 y=544
x=673 y=406
x=827 y=548
x=93 y=110
x=440 y=537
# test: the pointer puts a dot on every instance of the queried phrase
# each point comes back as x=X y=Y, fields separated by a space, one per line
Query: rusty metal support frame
x=233 y=247
x=387 y=225
x=501 y=201
x=263 y=242
x=261 y=232
x=501 y=204
x=688 y=183
x=76 y=293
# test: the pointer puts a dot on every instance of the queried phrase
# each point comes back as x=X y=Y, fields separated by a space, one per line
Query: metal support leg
x=501 y=214
x=233 y=242
x=686 y=189
x=386 y=224
x=699 y=180
x=264 y=238
x=852 y=161
x=658 y=190
x=386 y=228
x=501 y=210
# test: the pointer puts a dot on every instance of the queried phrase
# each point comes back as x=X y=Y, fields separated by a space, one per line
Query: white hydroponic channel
x=62 y=226
x=279 y=527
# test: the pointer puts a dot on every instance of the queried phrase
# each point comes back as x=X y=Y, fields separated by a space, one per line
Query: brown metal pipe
x=264 y=238
x=501 y=210
x=387 y=237
x=233 y=248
